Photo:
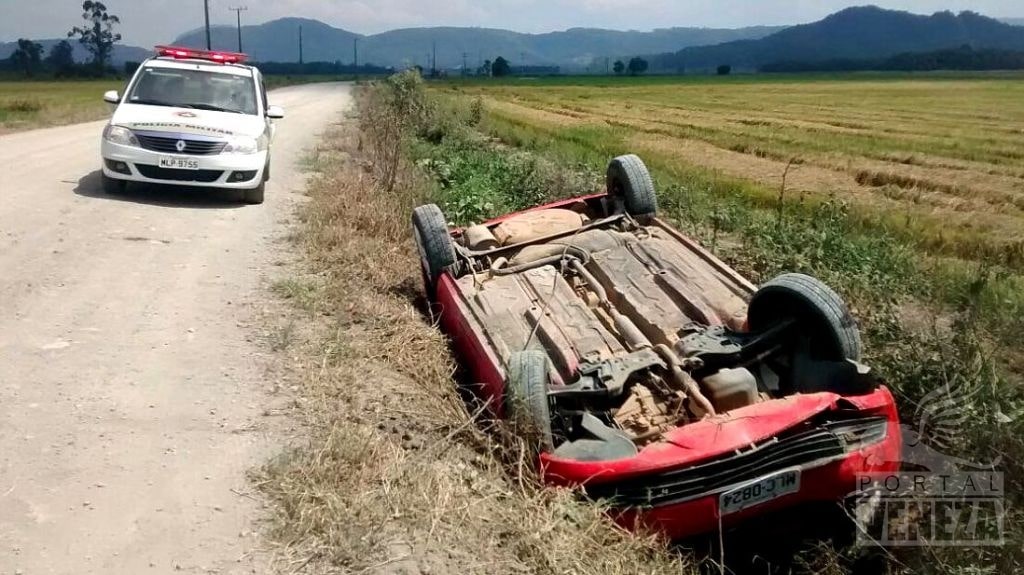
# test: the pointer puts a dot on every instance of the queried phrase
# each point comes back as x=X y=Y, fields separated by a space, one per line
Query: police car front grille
x=170 y=145
x=158 y=173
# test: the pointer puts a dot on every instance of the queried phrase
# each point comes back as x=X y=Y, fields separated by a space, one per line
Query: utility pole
x=300 y=44
x=522 y=63
x=206 y=9
x=355 y=57
x=238 y=16
x=465 y=71
x=433 y=62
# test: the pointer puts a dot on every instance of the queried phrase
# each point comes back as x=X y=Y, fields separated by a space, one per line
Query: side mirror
x=275 y=112
x=112 y=97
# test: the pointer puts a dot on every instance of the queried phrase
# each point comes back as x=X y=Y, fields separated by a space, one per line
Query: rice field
x=37 y=104
x=938 y=160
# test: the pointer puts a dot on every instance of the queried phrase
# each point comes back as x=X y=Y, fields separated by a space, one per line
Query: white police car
x=194 y=118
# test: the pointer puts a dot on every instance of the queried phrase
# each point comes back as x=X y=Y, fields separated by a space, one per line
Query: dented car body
x=650 y=373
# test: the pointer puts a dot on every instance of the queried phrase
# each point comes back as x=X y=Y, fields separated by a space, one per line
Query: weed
x=396 y=472
x=302 y=292
x=23 y=106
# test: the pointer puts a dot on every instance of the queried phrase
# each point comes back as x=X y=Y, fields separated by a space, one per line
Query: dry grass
x=396 y=476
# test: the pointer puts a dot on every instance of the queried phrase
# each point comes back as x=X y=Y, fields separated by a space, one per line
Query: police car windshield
x=198 y=89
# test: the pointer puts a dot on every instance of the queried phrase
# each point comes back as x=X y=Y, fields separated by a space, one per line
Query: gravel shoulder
x=132 y=384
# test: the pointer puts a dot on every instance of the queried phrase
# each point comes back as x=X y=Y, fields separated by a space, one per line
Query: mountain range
x=278 y=40
x=861 y=33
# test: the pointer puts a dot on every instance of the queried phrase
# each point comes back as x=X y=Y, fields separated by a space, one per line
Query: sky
x=149 y=22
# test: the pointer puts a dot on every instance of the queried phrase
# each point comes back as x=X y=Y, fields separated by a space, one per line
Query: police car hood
x=187 y=121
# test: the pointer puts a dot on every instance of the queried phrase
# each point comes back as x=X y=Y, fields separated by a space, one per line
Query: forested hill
x=862 y=34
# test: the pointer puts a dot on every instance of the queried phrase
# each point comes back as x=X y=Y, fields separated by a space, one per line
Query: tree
x=500 y=67
x=62 y=58
x=98 y=35
x=724 y=70
x=26 y=57
x=485 y=70
x=619 y=67
x=637 y=66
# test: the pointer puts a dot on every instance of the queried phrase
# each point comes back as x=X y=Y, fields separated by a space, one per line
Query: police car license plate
x=174 y=163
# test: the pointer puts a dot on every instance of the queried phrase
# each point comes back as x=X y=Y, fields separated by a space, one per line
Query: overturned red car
x=647 y=371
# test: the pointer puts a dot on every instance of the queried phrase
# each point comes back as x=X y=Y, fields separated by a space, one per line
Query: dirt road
x=131 y=389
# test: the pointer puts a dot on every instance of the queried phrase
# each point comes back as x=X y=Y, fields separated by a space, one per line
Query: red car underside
x=664 y=281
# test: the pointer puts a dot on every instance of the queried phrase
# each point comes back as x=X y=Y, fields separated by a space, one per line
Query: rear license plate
x=179 y=163
x=759 y=491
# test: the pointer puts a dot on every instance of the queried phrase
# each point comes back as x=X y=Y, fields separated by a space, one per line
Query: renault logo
x=180 y=146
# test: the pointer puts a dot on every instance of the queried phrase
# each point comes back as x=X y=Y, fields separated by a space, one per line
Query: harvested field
x=936 y=160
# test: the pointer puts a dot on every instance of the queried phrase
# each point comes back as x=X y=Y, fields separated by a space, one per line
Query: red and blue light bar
x=193 y=54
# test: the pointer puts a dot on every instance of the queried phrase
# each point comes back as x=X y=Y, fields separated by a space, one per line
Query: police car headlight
x=119 y=135
x=241 y=145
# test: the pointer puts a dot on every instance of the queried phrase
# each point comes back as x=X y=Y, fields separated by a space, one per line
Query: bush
x=23 y=106
x=394 y=109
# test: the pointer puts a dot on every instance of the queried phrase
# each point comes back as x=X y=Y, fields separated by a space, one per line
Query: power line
x=238 y=16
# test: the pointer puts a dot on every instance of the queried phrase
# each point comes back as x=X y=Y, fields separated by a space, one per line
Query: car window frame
x=261 y=97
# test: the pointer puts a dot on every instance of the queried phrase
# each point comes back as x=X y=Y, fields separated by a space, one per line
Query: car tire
x=820 y=312
x=112 y=186
x=526 y=399
x=437 y=251
x=628 y=178
x=266 y=171
x=255 y=195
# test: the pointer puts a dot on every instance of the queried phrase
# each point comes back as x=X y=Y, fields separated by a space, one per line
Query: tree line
x=97 y=35
x=964 y=58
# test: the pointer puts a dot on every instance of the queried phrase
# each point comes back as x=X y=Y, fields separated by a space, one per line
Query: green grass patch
x=34 y=104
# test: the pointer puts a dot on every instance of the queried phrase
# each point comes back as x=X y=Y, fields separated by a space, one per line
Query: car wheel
x=437 y=252
x=526 y=399
x=822 y=316
x=629 y=179
x=266 y=171
x=255 y=195
x=112 y=186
